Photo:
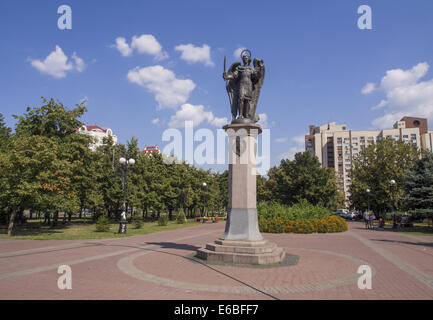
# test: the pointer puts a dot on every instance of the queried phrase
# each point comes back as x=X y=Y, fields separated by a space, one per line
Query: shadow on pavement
x=423 y=244
x=173 y=245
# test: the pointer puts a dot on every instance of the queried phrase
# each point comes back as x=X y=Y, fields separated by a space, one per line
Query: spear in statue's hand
x=224 y=74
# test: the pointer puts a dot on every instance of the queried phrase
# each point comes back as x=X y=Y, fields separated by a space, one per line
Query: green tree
x=36 y=177
x=302 y=179
x=50 y=120
x=374 y=168
x=418 y=186
x=5 y=134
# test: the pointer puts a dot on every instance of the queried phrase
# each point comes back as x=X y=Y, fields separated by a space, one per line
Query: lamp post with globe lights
x=368 y=199
x=204 y=201
x=125 y=164
x=392 y=183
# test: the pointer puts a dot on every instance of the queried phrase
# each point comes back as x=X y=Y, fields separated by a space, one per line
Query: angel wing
x=257 y=86
x=233 y=90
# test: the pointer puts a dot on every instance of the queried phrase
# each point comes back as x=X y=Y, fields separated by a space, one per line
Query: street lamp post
x=368 y=199
x=392 y=183
x=204 y=201
x=125 y=163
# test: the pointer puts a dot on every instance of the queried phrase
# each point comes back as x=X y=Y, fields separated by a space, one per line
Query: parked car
x=342 y=213
x=355 y=215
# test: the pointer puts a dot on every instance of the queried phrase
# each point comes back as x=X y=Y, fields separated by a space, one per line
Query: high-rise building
x=336 y=146
x=98 y=134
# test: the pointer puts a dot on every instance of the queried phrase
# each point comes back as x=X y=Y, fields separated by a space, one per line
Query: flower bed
x=324 y=225
x=209 y=219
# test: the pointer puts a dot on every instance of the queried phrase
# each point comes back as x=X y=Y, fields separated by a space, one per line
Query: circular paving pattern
x=322 y=263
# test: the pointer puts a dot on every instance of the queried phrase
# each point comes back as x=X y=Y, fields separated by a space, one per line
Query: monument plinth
x=242 y=242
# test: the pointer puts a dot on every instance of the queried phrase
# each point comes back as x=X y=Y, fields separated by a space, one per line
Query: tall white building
x=98 y=134
x=336 y=146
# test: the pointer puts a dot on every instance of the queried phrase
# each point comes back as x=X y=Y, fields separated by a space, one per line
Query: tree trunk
x=11 y=228
x=21 y=216
x=55 y=218
x=170 y=214
x=69 y=217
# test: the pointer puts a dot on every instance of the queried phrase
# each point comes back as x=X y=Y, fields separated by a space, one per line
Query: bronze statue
x=243 y=84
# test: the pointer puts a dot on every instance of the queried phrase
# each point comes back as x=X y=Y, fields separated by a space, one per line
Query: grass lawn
x=419 y=229
x=33 y=230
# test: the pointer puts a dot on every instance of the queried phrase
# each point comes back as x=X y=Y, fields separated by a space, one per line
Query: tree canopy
x=418 y=186
x=374 y=168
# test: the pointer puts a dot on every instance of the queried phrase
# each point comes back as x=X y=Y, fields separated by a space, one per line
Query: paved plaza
x=161 y=266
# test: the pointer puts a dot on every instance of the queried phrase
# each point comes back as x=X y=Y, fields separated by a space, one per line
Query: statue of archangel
x=243 y=84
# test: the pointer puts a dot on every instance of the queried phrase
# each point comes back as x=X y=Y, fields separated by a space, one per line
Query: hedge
x=324 y=225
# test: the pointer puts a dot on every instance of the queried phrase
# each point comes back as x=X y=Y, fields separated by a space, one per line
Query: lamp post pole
x=392 y=182
x=368 y=199
x=125 y=163
x=204 y=201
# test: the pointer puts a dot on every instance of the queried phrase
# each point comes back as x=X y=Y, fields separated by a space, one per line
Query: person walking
x=366 y=219
x=372 y=217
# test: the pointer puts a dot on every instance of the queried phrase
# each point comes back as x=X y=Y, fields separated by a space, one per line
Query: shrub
x=137 y=221
x=300 y=211
x=181 y=218
x=163 y=220
x=325 y=225
x=103 y=224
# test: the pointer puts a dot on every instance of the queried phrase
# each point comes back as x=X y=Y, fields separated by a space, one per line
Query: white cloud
x=147 y=43
x=56 y=64
x=155 y=121
x=368 y=88
x=263 y=122
x=169 y=91
x=406 y=95
x=381 y=104
x=195 y=113
x=123 y=47
x=193 y=54
x=237 y=52
x=299 y=146
x=282 y=140
x=144 y=44
x=79 y=63
x=403 y=78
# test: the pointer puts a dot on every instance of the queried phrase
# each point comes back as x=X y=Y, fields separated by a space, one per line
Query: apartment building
x=336 y=146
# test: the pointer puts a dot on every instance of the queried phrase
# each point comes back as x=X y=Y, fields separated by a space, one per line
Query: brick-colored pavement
x=159 y=266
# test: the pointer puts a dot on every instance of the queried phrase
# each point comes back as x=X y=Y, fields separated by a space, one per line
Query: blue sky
x=317 y=60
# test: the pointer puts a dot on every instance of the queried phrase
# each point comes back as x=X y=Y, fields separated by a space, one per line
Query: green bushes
x=300 y=218
x=137 y=221
x=325 y=225
x=163 y=220
x=103 y=224
x=181 y=218
x=300 y=211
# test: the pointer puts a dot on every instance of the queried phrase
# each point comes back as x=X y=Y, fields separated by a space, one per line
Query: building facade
x=149 y=150
x=98 y=134
x=336 y=146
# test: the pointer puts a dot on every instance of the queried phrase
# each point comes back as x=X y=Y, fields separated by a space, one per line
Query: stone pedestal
x=242 y=242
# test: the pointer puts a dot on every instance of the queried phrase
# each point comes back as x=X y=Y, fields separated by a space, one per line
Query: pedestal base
x=242 y=252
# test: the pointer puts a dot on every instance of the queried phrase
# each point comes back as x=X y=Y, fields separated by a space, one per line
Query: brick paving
x=159 y=266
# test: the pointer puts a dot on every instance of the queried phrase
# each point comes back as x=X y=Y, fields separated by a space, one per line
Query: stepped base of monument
x=242 y=252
